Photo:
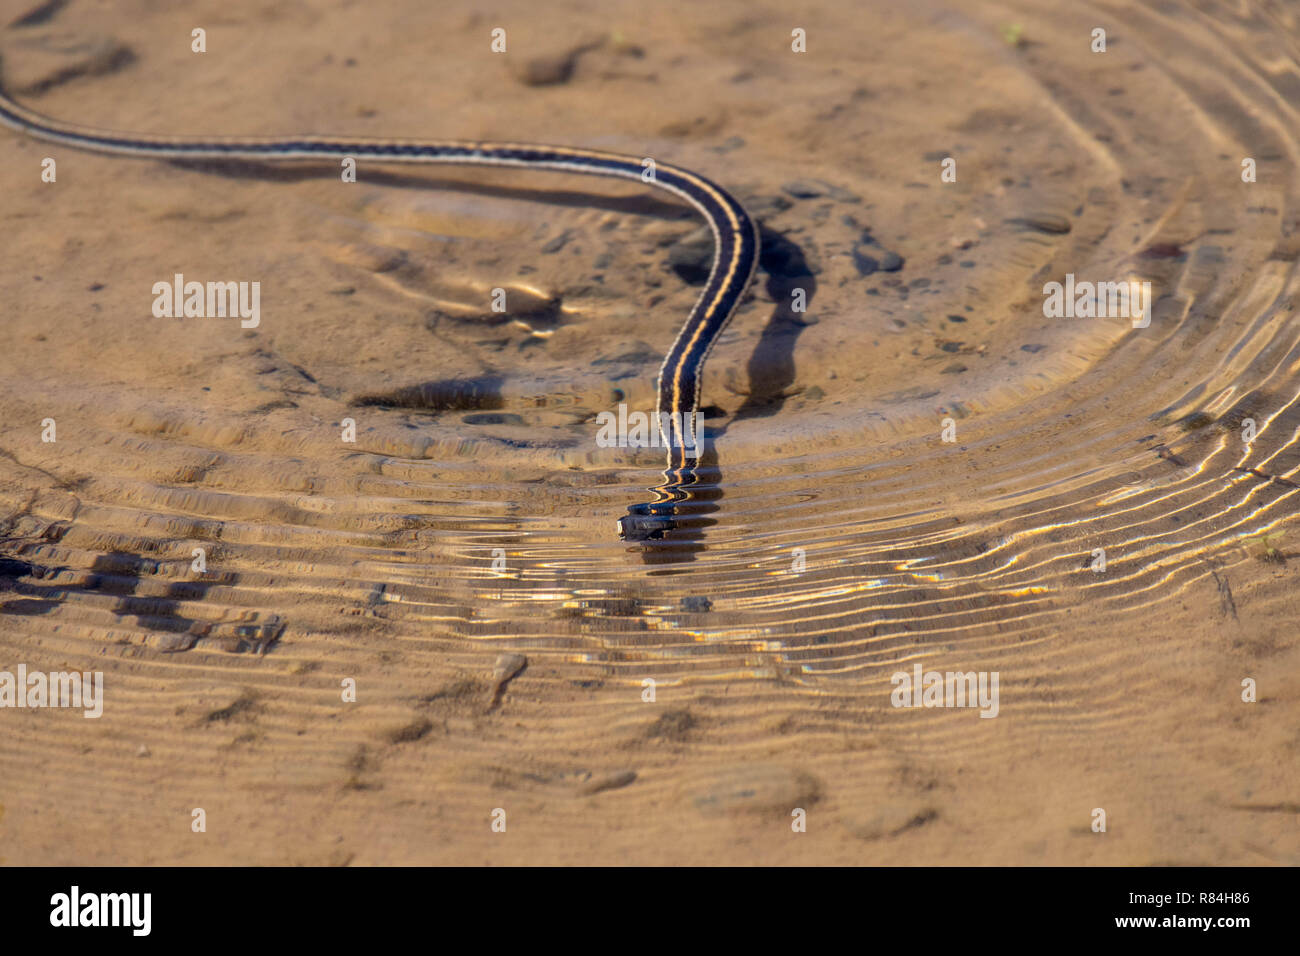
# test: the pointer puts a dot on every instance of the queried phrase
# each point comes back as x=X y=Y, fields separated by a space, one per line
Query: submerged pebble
x=605 y=781
x=891 y=819
x=506 y=668
x=752 y=787
x=1047 y=223
x=813 y=188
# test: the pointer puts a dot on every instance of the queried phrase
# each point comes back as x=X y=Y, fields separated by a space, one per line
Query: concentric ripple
x=1091 y=463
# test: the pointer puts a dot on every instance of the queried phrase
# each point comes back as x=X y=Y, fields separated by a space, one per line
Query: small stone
x=408 y=733
x=551 y=68
x=605 y=781
x=494 y=418
x=749 y=787
x=892 y=819
x=891 y=262
x=672 y=725
x=544 y=70
x=865 y=264
x=812 y=188
x=1163 y=250
x=558 y=243
x=170 y=643
x=1042 y=222
x=806 y=188
x=506 y=668
x=143 y=751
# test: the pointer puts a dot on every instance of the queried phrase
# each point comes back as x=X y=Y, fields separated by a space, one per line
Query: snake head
x=646 y=522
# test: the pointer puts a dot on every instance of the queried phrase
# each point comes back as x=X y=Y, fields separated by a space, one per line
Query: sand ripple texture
x=1111 y=526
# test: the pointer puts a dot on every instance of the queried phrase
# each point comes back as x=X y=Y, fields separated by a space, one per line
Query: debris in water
x=506 y=668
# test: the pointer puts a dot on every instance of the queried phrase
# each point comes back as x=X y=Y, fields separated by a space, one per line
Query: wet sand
x=849 y=541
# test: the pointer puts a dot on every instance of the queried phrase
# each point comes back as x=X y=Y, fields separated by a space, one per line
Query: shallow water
x=845 y=536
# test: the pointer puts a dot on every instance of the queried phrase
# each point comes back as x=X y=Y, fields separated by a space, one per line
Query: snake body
x=735 y=236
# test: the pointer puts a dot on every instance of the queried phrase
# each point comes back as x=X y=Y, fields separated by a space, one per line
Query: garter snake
x=735 y=246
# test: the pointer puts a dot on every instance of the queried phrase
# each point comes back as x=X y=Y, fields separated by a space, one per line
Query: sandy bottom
x=427 y=646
